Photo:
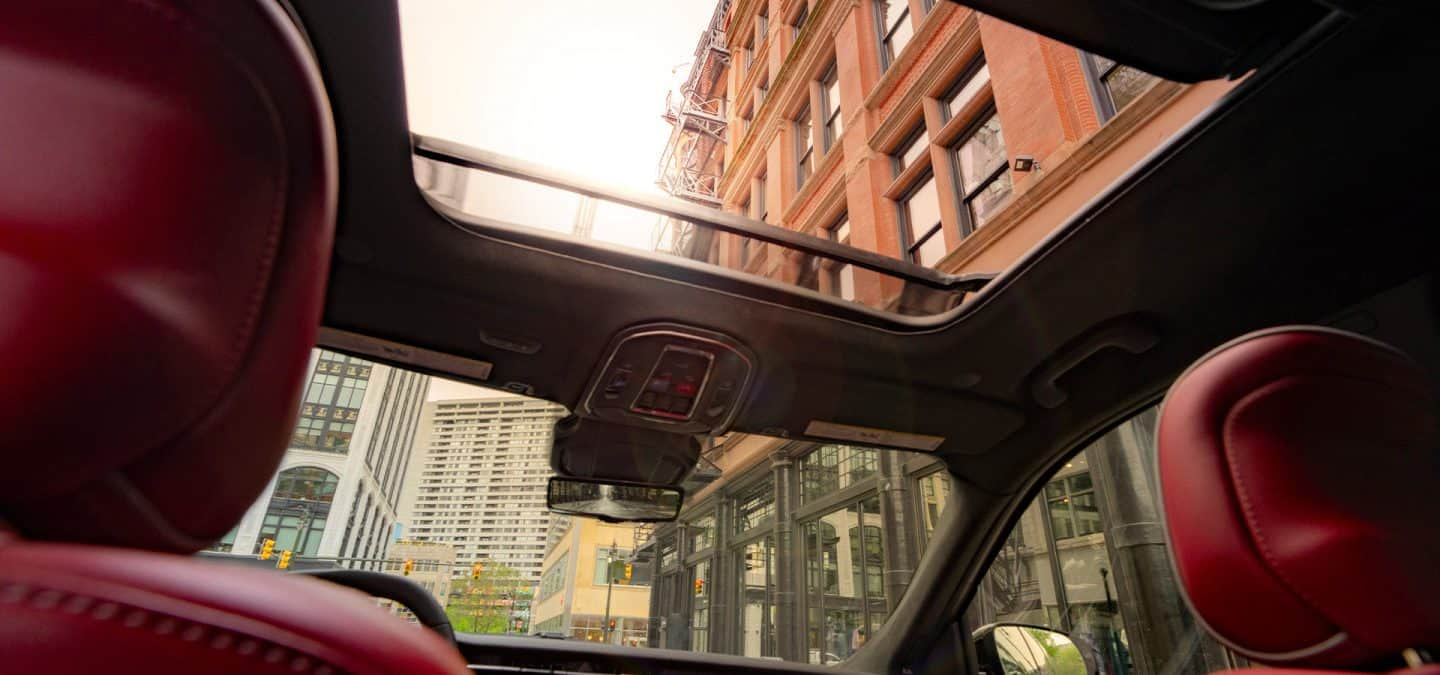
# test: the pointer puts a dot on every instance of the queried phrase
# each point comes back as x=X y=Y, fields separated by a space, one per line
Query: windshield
x=445 y=483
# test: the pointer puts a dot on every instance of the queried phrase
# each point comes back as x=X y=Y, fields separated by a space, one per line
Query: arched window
x=298 y=510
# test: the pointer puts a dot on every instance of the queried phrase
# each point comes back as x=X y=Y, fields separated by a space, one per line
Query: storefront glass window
x=700 y=612
x=702 y=534
x=845 y=562
x=757 y=588
x=833 y=467
x=756 y=507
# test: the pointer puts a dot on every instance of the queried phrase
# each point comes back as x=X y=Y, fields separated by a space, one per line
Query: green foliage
x=1066 y=660
x=487 y=604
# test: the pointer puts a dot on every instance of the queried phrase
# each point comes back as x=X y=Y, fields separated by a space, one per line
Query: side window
x=1088 y=558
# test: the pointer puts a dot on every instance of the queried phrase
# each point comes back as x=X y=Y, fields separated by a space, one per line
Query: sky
x=577 y=85
x=573 y=84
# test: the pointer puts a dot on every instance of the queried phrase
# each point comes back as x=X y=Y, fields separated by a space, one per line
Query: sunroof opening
x=495 y=193
x=895 y=167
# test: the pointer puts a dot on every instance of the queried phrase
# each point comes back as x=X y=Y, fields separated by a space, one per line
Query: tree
x=487 y=604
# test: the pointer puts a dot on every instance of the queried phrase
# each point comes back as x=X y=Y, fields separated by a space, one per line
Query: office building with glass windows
x=934 y=134
x=477 y=480
x=337 y=492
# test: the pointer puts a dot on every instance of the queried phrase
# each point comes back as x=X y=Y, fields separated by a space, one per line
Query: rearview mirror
x=1017 y=649
x=614 y=502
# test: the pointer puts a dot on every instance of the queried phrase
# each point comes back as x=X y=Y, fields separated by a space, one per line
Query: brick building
x=924 y=131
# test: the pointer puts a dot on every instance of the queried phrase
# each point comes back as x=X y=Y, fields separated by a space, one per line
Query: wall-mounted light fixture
x=1025 y=163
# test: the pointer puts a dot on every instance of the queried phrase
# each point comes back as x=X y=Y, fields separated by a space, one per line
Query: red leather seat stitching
x=41 y=598
x=1238 y=488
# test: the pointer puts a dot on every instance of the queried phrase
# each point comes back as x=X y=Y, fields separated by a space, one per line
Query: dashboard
x=530 y=654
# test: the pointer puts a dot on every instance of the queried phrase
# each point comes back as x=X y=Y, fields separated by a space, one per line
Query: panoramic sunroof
x=898 y=172
x=625 y=120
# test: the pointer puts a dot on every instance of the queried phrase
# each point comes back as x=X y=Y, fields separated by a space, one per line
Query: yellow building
x=572 y=595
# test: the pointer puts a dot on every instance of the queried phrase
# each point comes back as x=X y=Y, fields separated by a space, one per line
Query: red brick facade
x=1039 y=88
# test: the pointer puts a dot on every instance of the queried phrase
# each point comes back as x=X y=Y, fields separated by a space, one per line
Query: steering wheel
x=398 y=589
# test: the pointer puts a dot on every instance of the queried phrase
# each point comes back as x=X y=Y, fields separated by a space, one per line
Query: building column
x=724 y=580
x=895 y=531
x=685 y=600
x=1145 y=589
x=789 y=633
x=657 y=610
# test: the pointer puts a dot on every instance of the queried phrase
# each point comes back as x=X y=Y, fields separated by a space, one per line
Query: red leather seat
x=1299 y=471
x=167 y=207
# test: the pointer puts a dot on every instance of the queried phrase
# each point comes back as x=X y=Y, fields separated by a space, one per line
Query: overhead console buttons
x=682 y=379
x=675 y=380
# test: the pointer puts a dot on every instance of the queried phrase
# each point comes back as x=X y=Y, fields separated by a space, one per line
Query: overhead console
x=672 y=378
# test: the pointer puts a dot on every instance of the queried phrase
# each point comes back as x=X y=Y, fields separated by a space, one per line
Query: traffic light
x=612 y=624
x=409 y=566
x=475 y=571
x=267 y=549
x=285 y=559
x=699 y=587
x=628 y=570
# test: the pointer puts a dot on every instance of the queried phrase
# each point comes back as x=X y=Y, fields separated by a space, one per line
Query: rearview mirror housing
x=593 y=449
x=614 y=502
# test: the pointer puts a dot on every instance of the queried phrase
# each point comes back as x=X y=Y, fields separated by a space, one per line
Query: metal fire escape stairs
x=697 y=119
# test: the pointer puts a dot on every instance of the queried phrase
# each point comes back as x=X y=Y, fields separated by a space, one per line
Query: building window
x=934 y=497
x=756 y=507
x=702 y=535
x=804 y=148
x=700 y=608
x=961 y=95
x=554 y=578
x=840 y=277
x=757 y=597
x=625 y=573
x=844 y=590
x=920 y=223
x=915 y=148
x=982 y=170
x=298 y=510
x=1115 y=85
x=332 y=403
x=1072 y=506
x=668 y=554
x=762 y=88
x=798 y=25
x=762 y=24
x=893 y=17
x=758 y=197
x=830 y=106
x=830 y=468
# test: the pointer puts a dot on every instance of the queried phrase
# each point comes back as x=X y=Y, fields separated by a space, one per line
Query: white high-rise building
x=477 y=480
x=337 y=492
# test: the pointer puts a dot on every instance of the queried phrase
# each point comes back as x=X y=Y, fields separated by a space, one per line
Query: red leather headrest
x=1301 y=485
x=167 y=206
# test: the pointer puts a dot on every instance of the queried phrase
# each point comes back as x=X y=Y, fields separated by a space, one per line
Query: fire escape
x=689 y=166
